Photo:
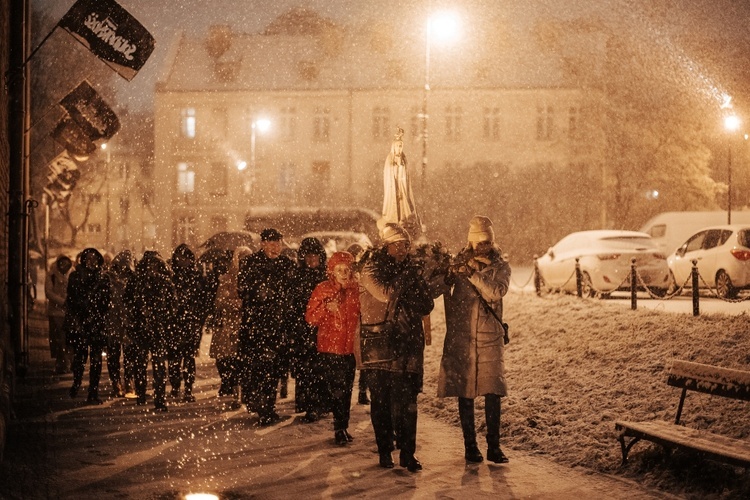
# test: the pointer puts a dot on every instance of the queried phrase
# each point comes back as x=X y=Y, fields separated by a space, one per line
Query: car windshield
x=626 y=242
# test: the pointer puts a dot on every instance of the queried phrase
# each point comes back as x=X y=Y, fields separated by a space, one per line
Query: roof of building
x=325 y=56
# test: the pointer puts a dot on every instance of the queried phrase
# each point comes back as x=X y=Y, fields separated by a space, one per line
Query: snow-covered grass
x=575 y=366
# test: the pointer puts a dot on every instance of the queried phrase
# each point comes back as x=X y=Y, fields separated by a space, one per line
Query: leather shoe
x=473 y=454
x=496 y=455
x=411 y=463
x=340 y=438
x=349 y=437
x=386 y=461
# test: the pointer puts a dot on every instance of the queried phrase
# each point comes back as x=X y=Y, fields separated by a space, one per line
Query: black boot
x=189 y=398
x=492 y=416
x=466 y=414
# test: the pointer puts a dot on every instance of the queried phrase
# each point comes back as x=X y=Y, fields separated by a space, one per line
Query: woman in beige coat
x=472 y=363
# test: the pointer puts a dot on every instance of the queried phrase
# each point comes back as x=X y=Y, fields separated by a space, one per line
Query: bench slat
x=710 y=379
x=725 y=449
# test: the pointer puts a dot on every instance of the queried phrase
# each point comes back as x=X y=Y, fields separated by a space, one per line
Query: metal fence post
x=579 y=287
x=537 y=278
x=694 y=276
x=633 y=285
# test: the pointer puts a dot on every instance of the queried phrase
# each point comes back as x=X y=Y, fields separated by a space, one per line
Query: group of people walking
x=272 y=315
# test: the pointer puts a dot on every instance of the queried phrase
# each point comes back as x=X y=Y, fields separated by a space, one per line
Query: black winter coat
x=264 y=286
x=150 y=297
x=87 y=303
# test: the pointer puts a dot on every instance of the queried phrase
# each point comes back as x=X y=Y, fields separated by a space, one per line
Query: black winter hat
x=271 y=234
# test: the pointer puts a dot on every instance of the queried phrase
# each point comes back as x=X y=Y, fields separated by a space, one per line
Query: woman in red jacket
x=334 y=309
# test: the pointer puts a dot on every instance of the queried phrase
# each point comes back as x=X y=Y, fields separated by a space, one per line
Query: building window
x=545 y=119
x=322 y=124
x=491 y=124
x=288 y=123
x=453 y=123
x=574 y=117
x=285 y=183
x=185 y=178
x=124 y=208
x=184 y=230
x=94 y=198
x=188 y=123
x=221 y=121
x=380 y=122
x=218 y=180
x=320 y=184
x=94 y=228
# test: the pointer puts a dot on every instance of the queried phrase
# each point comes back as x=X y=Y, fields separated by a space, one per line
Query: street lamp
x=106 y=177
x=441 y=26
x=261 y=125
x=731 y=124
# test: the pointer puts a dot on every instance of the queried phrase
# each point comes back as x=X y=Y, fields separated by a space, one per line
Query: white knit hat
x=392 y=233
x=480 y=229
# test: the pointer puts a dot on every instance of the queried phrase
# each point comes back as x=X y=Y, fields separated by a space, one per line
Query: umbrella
x=229 y=240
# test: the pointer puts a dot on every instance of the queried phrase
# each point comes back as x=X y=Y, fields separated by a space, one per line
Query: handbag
x=378 y=341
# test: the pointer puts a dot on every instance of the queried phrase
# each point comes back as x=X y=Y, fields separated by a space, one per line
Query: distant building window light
x=574 y=116
x=288 y=123
x=545 y=119
x=286 y=178
x=453 y=119
x=491 y=124
x=380 y=122
x=322 y=124
x=185 y=178
x=188 y=123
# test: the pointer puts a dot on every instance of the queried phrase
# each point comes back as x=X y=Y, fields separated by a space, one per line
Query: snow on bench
x=689 y=376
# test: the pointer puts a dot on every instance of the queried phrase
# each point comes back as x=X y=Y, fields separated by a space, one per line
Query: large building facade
x=333 y=98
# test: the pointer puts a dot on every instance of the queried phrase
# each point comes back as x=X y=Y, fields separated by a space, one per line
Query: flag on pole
x=90 y=112
x=72 y=137
x=110 y=33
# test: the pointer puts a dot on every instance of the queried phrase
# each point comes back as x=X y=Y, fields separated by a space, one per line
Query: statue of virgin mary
x=398 y=199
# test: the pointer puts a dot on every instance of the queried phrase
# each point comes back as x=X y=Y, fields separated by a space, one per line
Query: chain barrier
x=521 y=287
x=679 y=290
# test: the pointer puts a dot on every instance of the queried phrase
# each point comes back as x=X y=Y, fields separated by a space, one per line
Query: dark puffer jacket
x=87 y=301
x=189 y=304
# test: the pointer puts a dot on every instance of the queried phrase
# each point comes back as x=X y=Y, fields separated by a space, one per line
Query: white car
x=338 y=241
x=722 y=254
x=605 y=262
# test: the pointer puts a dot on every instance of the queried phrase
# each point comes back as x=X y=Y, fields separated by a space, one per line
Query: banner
x=73 y=138
x=111 y=33
x=90 y=112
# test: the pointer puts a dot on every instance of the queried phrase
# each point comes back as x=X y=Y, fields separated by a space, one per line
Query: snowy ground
x=574 y=366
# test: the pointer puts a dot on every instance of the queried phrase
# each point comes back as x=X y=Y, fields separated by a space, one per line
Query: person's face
x=272 y=249
x=64 y=265
x=398 y=250
x=181 y=260
x=312 y=260
x=398 y=148
x=91 y=262
x=342 y=273
x=481 y=248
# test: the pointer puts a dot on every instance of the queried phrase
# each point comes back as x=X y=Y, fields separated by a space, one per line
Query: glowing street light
x=441 y=27
x=731 y=123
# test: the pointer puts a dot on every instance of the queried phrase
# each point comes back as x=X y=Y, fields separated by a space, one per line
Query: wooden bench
x=688 y=376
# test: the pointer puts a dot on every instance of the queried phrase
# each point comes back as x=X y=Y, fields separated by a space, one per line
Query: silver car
x=722 y=255
x=605 y=262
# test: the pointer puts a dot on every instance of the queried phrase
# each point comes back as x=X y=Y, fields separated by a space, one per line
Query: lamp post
x=731 y=124
x=445 y=26
x=106 y=149
x=256 y=125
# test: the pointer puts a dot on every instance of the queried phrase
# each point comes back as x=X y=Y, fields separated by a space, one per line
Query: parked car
x=722 y=254
x=335 y=241
x=605 y=262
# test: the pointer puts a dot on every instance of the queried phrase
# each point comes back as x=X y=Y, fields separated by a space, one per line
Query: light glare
x=443 y=26
x=732 y=122
x=201 y=496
